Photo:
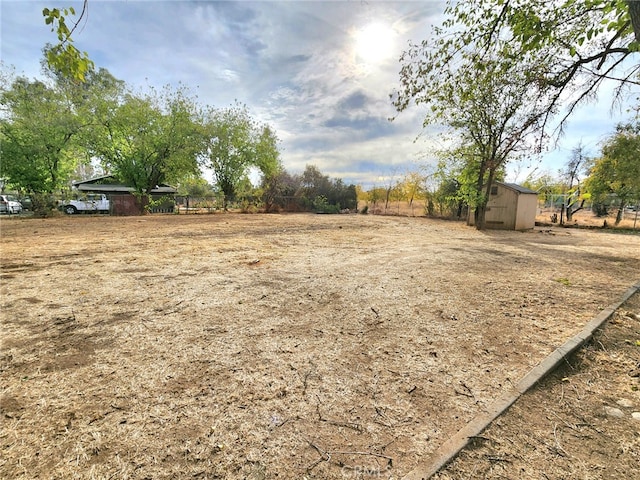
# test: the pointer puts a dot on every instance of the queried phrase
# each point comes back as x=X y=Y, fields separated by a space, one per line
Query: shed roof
x=517 y=188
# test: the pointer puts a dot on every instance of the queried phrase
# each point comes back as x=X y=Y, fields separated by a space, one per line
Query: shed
x=123 y=202
x=510 y=207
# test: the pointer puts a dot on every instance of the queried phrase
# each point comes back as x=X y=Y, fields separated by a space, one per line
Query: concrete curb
x=448 y=450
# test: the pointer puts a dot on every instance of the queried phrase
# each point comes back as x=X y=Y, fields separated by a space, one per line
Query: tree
x=235 y=142
x=361 y=194
x=148 y=139
x=194 y=186
x=278 y=190
x=617 y=171
x=544 y=183
x=547 y=185
x=267 y=153
x=342 y=196
x=413 y=187
x=320 y=193
x=448 y=195
x=491 y=105
x=375 y=195
x=390 y=184
x=314 y=182
x=39 y=130
x=573 y=169
x=396 y=194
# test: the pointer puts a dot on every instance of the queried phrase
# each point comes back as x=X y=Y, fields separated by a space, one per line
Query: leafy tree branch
x=64 y=56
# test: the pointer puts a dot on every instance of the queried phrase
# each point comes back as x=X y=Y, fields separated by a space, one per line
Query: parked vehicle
x=26 y=202
x=92 y=203
x=9 y=204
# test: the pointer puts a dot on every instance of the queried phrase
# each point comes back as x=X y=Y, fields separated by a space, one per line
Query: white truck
x=91 y=203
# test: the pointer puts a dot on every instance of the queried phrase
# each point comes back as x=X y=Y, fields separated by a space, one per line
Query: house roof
x=517 y=188
x=103 y=184
x=95 y=180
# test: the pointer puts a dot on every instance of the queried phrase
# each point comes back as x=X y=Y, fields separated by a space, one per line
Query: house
x=510 y=207
x=122 y=198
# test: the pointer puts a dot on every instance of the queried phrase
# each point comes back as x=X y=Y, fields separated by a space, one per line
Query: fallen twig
x=322 y=453
x=354 y=426
x=496 y=458
x=469 y=393
x=458 y=392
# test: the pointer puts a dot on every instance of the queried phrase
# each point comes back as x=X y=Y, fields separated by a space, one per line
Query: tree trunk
x=634 y=13
x=142 y=200
x=481 y=211
x=478 y=214
x=571 y=211
x=623 y=204
x=228 y=195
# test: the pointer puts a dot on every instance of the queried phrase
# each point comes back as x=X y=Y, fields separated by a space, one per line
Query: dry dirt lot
x=288 y=346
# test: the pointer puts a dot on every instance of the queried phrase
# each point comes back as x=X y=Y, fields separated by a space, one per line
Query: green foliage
x=310 y=191
x=267 y=154
x=376 y=194
x=317 y=185
x=321 y=205
x=64 y=56
x=165 y=203
x=617 y=171
x=576 y=43
x=413 y=187
x=430 y=209
x=544 y=183
x=278 y=190
x=148 y=139
x=38 y=136
x=194 y=186
x=234 y=143
x=450 y=196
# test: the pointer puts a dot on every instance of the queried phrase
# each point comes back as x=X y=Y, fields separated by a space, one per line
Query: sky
x=320 y=73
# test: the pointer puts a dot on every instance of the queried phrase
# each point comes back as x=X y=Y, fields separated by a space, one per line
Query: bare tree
x=575 y=167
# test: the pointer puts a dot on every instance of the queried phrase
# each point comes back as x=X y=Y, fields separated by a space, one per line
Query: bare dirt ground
x=293 y=346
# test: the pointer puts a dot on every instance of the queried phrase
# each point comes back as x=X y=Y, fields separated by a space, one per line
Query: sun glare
x=374 y=42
